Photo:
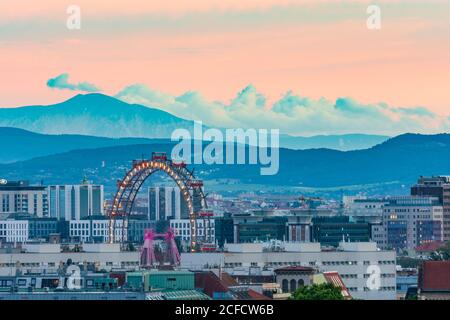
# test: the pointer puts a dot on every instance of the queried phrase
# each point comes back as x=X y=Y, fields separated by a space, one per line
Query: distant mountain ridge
x=19 y=144
x=96 y=115
x=104 y=116
x=399 y=160
x=344 y=142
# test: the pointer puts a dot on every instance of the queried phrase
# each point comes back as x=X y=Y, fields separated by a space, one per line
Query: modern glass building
x=329 y=231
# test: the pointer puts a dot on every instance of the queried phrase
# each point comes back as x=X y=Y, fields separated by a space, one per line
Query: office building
x=436 y=186
x=258 y=227
x=430 y=187
x=38 y=258
x=75 y=202
x=14 y=231
x=223 y=226
x=165 y=203
x=353 y=261
x=330 y=231
x=94 y=229
x=410 y=221
x=21 y=197
x=205 y=229
x=43 y=228
x=137 y=226
x=364 y=207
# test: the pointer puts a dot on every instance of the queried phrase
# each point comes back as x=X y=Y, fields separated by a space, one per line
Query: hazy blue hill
x=93 y=114
x=343 y=142
x=104 y=116
x=19 y=144
x=401 y=160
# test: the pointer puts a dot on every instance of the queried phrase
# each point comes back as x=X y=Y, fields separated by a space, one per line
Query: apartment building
x=20 y=196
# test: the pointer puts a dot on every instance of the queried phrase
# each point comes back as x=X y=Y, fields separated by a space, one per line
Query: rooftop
x=430 y=246
x=434 y=276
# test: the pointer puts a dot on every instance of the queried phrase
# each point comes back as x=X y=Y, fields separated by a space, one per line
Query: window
x=293 y=285
x=285 y=285
x=22 y=282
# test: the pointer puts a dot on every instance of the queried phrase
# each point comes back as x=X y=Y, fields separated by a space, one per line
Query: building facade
x=258 y=227
x=75 y=202
x=94 y=230
x=330 y=231
x=354 y=262
x=410 y=221
x=165 y=203
x=436 y=186
x=224 y=229
x=21 y=197
x=38 y=258
x=205 y=229
x=14 y=231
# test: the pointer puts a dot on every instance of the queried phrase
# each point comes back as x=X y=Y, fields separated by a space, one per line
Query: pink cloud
x=400 y=64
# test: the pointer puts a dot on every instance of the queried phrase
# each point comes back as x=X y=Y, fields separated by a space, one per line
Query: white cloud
x=62 y=82
x=292 y=114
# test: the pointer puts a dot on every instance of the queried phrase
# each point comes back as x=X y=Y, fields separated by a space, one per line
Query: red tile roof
x=256 y=295
x=209 y=283
x=228 y=280
x=335 y=279
x=434 y=276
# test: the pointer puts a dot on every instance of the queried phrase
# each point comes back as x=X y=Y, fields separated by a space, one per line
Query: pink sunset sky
x=315 y=49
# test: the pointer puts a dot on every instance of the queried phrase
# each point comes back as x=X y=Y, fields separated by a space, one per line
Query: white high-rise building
x=75 y=202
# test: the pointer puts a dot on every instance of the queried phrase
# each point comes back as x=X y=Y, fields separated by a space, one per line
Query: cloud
x=62 y=82
x=292 y=114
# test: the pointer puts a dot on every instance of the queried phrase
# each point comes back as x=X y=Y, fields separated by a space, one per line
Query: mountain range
x=399 y=160
x=97 y=136
x=100 y=115
x=21 y=145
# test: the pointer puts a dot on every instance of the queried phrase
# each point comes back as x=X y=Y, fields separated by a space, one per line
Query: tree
x=324 y=291
x=442 y=253
x=407 y=262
